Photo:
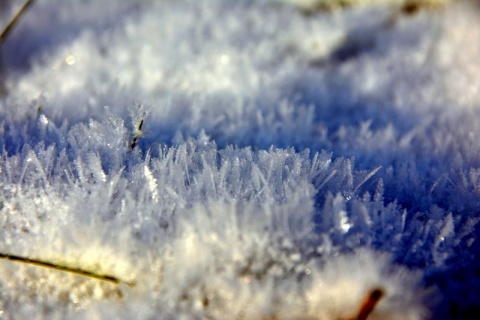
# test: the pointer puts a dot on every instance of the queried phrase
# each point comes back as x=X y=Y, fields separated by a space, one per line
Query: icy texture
x=241 y=159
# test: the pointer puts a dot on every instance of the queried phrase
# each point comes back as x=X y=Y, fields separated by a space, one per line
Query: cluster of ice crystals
x=228 y=159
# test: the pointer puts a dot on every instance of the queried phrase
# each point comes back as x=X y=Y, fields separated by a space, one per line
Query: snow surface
x=231 y=159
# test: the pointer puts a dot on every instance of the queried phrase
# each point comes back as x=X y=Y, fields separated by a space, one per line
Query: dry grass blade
x=369 y=304
x=58 y=267
x=8 y=29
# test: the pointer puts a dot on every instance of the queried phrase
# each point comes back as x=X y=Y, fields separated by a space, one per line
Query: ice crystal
x=228 y=159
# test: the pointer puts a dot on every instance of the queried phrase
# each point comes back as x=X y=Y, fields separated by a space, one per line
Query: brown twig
x=369 y=304
x=137 y=135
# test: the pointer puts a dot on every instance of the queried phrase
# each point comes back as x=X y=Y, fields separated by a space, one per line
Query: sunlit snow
x=227 y=159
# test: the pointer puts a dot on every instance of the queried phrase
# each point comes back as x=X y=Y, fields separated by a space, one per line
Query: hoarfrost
x=254 y=161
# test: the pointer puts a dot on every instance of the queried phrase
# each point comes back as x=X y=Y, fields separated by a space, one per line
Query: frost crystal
x=223 y=159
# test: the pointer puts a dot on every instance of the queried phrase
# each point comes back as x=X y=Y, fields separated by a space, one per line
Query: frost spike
x=330 y=176
x=369 y=175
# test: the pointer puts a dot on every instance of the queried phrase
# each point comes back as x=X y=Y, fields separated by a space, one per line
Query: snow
x=226 y=159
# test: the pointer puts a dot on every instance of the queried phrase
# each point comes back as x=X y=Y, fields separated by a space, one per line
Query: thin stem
x=369 y=304
x=8 y=29
x=54 y=266
x=137 y=135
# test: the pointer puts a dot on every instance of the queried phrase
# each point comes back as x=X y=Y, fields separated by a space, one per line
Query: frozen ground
x=240 y=160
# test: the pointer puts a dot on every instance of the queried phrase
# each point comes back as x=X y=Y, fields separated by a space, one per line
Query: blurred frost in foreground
x=288 y=169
